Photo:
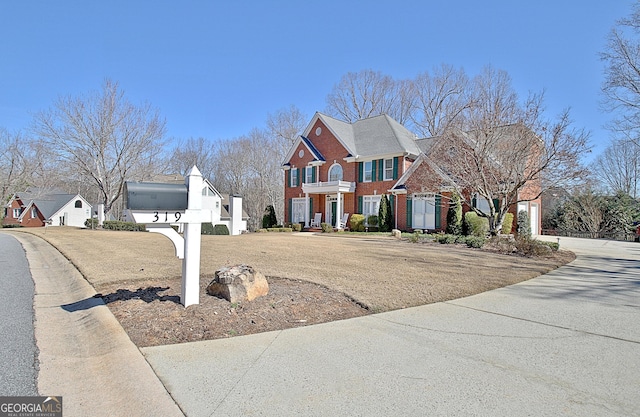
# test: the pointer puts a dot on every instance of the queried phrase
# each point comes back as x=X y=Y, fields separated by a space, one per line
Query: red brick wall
x=334 y=152
x=38 y=221
x=27 y=221
x=9 y=219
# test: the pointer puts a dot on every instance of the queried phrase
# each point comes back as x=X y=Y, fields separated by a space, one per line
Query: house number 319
x=157 y=215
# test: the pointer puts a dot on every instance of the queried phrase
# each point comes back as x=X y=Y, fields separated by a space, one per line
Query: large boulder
x=238 y=283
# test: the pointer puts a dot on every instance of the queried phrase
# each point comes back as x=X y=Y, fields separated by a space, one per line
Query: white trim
x=384 y=168
x=330 y=187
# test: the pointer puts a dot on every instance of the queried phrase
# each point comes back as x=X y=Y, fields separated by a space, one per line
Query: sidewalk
x=566 y=343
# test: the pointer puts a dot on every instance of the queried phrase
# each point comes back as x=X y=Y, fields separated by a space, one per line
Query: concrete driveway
x=566 y=343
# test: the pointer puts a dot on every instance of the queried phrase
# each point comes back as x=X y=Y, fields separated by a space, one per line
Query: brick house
x=34 y=209
x=336 y=168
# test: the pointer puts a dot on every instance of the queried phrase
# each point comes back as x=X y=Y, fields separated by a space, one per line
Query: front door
x=334 y=207
x=331 y=209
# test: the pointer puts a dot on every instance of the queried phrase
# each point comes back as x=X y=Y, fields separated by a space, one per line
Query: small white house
x=33 y=209
x=225 y=209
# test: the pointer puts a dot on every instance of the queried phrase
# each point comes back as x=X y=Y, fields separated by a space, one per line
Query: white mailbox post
x=192 y=230
x=160 y=205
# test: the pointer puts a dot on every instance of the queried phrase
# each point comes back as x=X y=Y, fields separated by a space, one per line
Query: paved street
x=17 y=344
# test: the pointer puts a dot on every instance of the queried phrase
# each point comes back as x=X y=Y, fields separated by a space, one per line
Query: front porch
x=327 y=202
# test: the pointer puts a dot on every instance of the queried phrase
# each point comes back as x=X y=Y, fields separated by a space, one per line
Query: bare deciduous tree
x=284 y=126
x=187 y=153
x=509 y=148
x=618 y=167
x=14 y=170
x=370 y=93
x=440 y=100
x=104 y=138
x=250 y=166
x=621 y=86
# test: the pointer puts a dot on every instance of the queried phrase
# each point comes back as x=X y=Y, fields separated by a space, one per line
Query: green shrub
x=269 y=218
x=454 y=215
x=356 y=221
x=475 y=225
x=372 y=220
x=385 y=216
x=507 y=224
x=296 y=227
x=524 y=224
x=118 y=225
x=279 y=229
x=10 y=226
x=220 y=229
x=326 y=227
x=206 y=228
x=475 y=241
x=553 y=245
x=415 y=237
x=91 y=223
x=446 y=239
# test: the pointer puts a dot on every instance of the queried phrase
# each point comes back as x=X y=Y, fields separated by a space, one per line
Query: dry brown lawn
x=378 y=273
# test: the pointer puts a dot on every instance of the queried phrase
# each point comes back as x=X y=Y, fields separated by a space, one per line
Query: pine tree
x=269 y=218
x=454 y=215
x=385 y=217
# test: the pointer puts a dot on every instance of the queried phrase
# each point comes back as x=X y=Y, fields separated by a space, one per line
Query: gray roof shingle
x=374 y=136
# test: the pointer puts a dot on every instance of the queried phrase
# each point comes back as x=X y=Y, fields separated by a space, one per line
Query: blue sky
x=217 y=69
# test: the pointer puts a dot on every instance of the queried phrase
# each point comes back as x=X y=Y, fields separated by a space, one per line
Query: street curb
x=85 y=355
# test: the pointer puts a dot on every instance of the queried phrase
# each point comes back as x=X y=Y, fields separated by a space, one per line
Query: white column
x=101 y=217
x=306 y=210
x=338 y=212
x=235 y=211
x=190 y=293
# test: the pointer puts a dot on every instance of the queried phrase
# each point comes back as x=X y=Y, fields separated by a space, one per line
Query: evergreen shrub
x=524 y=224
x=356 y=221
x=475 y=225
x=269 y=218
x=220 y=229
x=454 y=215
x=118 y=225
x=507 y=225
x=206 y=228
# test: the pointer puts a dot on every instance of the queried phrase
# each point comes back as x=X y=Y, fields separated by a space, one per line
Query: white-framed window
x=335 y=173
x=34 y=212
x=370 y=205
x=388 y=169
x=297 y=210
x=367 y=171
x=482 y=204
x=16 y=213
x=308 y=175
x=294 y=182
x=424 y=211
x=206 y=191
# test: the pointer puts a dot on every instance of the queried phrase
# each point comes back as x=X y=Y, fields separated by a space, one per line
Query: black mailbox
x=155 y=196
